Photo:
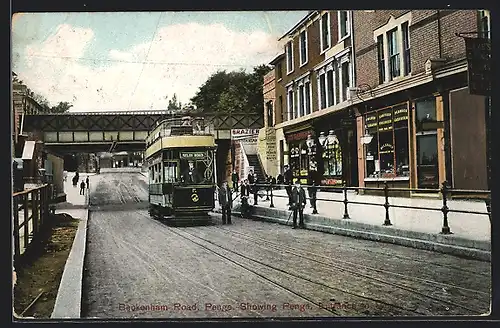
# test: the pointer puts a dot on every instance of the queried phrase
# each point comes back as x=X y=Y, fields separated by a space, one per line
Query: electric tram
x=180 y=157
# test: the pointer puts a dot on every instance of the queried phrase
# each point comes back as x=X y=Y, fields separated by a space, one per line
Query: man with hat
x=298 y=202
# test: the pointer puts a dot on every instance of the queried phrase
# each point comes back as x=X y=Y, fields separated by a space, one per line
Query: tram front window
x=193 y=172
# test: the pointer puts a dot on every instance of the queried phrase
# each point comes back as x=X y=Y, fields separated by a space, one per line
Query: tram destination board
x=479 y=65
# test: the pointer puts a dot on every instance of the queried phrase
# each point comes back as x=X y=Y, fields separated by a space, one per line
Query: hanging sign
x=478 y=53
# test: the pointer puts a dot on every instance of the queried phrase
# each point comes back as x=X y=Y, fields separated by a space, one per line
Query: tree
x=235 y=91
x=173 y=104
x=62 y=107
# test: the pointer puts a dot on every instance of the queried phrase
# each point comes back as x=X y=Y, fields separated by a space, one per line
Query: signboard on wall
x=237 y=134
x=478 y=52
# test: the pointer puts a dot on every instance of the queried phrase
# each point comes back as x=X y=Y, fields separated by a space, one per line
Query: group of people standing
x=296 y=194
x=83 y=185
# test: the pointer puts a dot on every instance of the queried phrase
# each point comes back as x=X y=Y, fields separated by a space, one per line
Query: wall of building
x=468 y=140
x=432 y=35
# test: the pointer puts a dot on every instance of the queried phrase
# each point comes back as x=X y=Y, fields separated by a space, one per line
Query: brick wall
x=425 y=42
x=269 y=94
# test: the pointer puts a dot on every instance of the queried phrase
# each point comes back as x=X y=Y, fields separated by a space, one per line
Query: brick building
x=313 y=77
x=382 y=96
x=413 y=100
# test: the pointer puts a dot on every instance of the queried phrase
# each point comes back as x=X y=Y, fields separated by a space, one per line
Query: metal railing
x=446 y=193
x=34 y=205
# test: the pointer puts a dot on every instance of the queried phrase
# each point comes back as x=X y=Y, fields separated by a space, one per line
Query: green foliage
x=235 y=91
x=173 y=104
x=61 y=107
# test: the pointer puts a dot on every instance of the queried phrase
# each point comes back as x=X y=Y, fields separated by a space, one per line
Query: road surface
x=137 y=267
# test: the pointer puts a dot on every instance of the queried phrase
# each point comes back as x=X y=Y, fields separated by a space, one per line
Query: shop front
x=302 y=157
x=404 y=145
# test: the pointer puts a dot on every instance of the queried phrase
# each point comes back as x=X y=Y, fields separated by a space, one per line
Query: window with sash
x=289 y=57
x=325 y=32
x=392 y=40
x=381 y=59
x=290 y=103
x=303 y=47
x=405 y=31
x=343 y=24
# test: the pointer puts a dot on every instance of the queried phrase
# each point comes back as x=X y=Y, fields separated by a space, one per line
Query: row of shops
x=415 y=138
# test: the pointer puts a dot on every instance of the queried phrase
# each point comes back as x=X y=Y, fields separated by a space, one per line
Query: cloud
x=181 y=58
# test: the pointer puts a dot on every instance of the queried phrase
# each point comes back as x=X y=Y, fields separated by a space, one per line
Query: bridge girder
x=130 y=121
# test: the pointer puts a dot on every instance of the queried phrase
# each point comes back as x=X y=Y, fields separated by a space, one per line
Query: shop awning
x=28 y=150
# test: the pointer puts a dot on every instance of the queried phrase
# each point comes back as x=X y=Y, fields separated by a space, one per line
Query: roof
x=296 y=26
x=277 y=58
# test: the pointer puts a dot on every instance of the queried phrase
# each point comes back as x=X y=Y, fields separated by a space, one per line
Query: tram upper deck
x=179 y=132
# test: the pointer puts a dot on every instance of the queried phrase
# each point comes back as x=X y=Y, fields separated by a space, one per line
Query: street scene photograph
x=251 y=164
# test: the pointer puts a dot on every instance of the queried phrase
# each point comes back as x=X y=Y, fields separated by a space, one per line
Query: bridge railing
x=30 y=215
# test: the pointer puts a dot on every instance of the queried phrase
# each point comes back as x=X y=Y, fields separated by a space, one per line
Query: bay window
x=387 y=155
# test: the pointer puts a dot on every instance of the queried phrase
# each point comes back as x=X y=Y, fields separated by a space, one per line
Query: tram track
x=367 y=298
x=327 y=262
x=393 y=255
x=275 y=269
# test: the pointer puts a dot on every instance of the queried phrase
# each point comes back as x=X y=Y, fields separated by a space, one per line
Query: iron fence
x=446 y=193
x=34 y=205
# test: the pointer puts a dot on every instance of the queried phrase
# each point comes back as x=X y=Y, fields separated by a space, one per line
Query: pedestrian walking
x=87 y=182
x=82 y=188
x=298 y=203
x=235 y=178
x=226 y=202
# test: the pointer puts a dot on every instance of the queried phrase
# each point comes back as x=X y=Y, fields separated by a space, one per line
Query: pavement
x=69 y=295
x=470 y=237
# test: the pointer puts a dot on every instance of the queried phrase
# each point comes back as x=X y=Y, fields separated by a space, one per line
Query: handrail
x=28 y=190
x=446 y=193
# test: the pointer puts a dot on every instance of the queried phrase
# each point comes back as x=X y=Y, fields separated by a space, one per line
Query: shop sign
x=385 y=120
x=243 y=133
x=331 y=182
x=372 y=122
x=400 y=115
x=478 y=52
x=302 y=135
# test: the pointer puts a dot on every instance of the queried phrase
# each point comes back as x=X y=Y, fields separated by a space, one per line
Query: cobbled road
x=137 y=267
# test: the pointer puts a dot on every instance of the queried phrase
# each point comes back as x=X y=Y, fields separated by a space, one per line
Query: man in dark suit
x=298 y=203
x=235 y=178
x=191 y=175
x=244 y=194
x=226 y=202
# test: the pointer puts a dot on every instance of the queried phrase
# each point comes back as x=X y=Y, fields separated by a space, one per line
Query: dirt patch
x=41 y=268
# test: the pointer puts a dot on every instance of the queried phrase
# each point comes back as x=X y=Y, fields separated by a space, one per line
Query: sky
x=135 y=61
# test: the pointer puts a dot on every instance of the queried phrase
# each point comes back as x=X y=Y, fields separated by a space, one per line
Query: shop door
x=427 y=144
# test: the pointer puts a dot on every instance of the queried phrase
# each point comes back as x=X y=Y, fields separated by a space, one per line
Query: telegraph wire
x=136 y=62
x=147 y=54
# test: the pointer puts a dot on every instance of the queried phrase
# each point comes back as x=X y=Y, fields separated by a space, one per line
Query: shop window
x=387 y=153
x=332 y=154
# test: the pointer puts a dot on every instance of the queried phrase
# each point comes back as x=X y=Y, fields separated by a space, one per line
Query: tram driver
x=191 y=175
